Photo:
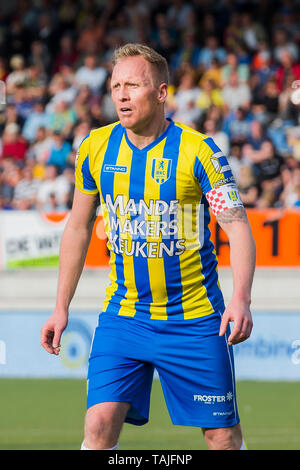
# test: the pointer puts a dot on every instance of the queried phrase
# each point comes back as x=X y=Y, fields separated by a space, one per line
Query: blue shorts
x=194 y=364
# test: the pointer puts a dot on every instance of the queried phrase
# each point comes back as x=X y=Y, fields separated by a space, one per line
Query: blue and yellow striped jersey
x=156 y=215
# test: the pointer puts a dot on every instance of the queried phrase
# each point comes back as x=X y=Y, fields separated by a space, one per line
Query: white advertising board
x=271 y=353
x=29 y=238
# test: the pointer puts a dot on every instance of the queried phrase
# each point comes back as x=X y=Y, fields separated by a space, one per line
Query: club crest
x=161 y=169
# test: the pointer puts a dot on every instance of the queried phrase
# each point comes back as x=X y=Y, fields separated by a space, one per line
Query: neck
x=148 y=134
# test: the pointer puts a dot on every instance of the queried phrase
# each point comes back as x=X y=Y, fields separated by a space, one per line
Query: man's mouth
x=125 y=110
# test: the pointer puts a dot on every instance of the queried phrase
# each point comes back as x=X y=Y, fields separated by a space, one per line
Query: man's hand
x=239 y=313
x=52 y=330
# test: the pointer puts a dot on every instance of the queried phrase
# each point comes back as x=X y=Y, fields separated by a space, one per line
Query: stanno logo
x=115 y=169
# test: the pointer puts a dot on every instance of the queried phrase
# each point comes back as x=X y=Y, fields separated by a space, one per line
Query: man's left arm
x=234 y=222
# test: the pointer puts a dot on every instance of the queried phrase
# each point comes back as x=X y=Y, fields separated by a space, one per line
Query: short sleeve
x=211 y=166
x=215 y=177
x=84 y=180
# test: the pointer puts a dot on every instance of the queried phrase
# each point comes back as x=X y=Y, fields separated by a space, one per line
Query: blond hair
x=158 y=61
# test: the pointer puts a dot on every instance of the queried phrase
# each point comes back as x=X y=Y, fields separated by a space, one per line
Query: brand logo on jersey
x=161 y=169
x=115 y=169
x=219 y=168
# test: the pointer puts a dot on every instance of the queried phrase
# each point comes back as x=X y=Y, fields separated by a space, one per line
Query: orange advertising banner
x=276 y=233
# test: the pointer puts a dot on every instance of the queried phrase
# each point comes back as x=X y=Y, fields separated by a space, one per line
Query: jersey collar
x=154 y=143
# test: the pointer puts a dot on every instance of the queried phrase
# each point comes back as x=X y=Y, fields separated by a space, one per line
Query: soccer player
x=157 y=181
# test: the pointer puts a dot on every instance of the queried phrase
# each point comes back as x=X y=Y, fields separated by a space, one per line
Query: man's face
x=135 y=93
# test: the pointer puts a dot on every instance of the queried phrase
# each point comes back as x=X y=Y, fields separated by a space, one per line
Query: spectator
x=214 y=73
x=178 y=13
x=268 y=163
x=40 y=56
x=210 y=95
x=26 y=190
x=237 y=125
x=107 y=106
x=163 y=36
x=237 y=160
x=6 y=191
x=38 y=118
x=59 y=152
x=291 y=180
x=257 y=135
x=9 y=178
x=18 y=74
x=236 y=94
x=259 y=113
x=80 y=132
x=3 y=69
x=13 y=144
x=85 y=99
x=67 y=55
x=288 y=70
x=253 y=32
x=282 y=43
x=296 y=204
x=232 y=64
x=212 y=50
x=22 y=101
x=186 y=96
x=233 y=33
x=35 y=82
x=62 y=119
x=11 y=116
x=61 y=90
x=270 y=99
x=53 y=192
x=188 y=52
x=247 y=186
x=220 y=137
x=91 y=74
x=41 y=147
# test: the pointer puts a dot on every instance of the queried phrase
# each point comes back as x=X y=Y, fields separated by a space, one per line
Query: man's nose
x=123 y=94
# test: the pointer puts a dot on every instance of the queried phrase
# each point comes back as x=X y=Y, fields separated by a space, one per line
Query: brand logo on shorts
x=212 y=399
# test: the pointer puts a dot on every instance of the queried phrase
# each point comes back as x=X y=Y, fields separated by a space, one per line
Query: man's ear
x=162 y=93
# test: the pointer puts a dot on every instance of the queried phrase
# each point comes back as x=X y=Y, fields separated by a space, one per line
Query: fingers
x=46 y=341
x=50 y=339
x=224 y=324
x=242 y=326
x=56 y=341
x=241 y=331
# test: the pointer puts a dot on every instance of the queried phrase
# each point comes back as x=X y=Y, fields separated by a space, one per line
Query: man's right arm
x=73 y=249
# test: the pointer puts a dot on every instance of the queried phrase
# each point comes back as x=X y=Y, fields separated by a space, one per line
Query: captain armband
x=223 y=197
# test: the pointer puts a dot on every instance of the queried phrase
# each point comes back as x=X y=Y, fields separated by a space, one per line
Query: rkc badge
x=161 y=169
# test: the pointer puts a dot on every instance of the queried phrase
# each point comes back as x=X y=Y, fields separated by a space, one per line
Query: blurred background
x=235 y=76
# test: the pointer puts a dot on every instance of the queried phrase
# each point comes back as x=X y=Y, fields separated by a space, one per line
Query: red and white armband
x=223 y=197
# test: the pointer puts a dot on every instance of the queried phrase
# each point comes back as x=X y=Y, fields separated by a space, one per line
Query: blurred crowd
x=235 y=76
